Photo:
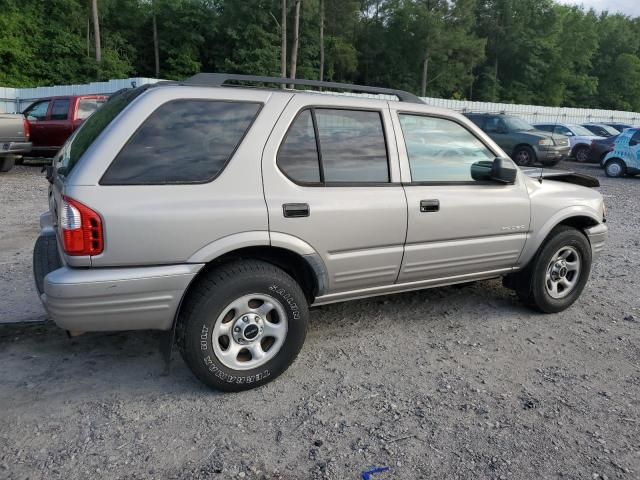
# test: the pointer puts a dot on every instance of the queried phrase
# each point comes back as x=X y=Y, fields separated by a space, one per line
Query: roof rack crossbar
x=219 y=80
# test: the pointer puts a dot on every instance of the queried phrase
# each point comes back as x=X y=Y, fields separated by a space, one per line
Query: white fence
x=537 y=113
x=17 y=99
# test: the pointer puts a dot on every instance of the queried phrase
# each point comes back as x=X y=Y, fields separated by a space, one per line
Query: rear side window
x=60 y=109
x=183 y=141
x=86 y=106
x=335 y=146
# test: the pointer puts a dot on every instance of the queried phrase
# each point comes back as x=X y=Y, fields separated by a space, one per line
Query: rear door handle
x=432 y=205
x=295 y=210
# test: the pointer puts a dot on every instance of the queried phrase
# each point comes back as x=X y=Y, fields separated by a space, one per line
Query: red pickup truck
x=52 y=120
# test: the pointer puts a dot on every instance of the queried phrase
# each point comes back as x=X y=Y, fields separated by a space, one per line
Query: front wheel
x=581 y=154
x=615 y=168
x=524 y=156
x=6 y=163
x=559 y=272
x=242 y=325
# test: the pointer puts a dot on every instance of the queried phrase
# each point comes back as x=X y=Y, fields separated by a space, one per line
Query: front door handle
x=295 y=210
x=432 y=205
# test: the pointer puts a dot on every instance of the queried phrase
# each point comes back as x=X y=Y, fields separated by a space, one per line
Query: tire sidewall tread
x=213 y=292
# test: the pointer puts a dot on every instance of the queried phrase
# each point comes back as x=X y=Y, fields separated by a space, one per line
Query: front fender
x=538 y=235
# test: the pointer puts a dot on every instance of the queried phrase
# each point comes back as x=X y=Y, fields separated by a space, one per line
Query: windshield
x=84 y=136
x=580 y=130
x=517 y=124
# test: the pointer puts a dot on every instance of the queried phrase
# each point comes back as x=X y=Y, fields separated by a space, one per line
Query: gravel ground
x=458 y=382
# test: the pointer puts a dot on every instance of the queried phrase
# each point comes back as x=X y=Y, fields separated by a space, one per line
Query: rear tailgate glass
x=82 y=138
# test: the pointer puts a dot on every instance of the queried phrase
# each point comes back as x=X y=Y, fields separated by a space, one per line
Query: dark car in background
x=521 y=141
x=601 y=129
x=619 y=126
x=52 y=120
x=598 y=149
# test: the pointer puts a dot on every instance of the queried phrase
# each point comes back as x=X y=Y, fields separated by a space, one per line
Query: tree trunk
x=321 y=40
x=88 y=37
x=96 y=29
x=156 y=48
x=283 y=42
x=296 y=40
x=425 y=72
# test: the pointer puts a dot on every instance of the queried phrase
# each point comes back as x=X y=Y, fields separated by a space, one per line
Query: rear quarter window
x=183 y=141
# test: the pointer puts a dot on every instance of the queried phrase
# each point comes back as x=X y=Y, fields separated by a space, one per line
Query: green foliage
x=524 y=51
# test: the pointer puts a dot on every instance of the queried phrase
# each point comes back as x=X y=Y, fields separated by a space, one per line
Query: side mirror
x=501 y=129
x=569 y=134
x=499 y=170
x=503 y=170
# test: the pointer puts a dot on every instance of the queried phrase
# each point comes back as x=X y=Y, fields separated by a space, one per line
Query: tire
x=45 y=259
x=231 y=295
x=581 y=153
x=7 y=163
x=615 y=168
x=564 y=260
x=524 y=156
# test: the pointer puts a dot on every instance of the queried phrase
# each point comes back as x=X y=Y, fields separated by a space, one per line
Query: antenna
x=555 y=125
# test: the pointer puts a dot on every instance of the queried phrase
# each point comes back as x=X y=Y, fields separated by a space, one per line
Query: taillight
x=81 y=229
x=26 y=128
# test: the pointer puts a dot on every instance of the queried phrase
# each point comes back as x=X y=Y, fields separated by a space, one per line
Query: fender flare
x=533 y=242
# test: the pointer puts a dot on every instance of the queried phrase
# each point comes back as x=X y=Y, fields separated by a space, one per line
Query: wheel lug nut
x=237 y=329
x=245 y=319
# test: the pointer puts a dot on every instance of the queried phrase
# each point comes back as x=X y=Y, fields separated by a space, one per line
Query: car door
x=497 y=129
x=331 y=180
x=56 y=128
x=36 y=115
x=458 y=226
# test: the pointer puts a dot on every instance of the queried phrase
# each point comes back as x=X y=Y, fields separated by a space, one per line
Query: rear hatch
x=70 y=156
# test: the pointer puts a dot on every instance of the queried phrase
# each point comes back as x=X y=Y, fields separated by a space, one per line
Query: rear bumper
x=597 y=238
x=100 y=299
x=17 y=148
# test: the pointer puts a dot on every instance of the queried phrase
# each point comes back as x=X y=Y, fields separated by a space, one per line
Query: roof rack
x=219 y=80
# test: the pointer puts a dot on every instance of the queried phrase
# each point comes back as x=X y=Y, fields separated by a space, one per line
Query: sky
x=628 y=7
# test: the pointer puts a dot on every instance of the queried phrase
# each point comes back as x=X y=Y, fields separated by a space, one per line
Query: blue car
x=624 y=159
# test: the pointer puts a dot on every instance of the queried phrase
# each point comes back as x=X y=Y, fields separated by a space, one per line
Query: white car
x=579 y=137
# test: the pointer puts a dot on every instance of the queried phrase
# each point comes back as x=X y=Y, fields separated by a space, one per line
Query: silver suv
x=220 y=214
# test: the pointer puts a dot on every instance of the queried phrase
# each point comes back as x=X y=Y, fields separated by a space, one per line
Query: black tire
x=20 y=160
x=207 y=301
x=524 y=156
x=45 y=259
x=531 y=283
x=6 y=163
x=581 y=153
x=615 y=168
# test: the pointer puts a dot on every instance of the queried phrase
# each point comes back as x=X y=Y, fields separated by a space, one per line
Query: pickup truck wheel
x=524 y=156
x=242 y=325
x=615 y=168
x=559 y=271
x=581 y=153
x=6 y=163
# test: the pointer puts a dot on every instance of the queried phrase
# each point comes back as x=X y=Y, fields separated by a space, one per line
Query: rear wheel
x=242 y=325
x=6 y=163
x=615 y=168
x=557 y=275
x=524 y=156
x=581 y=153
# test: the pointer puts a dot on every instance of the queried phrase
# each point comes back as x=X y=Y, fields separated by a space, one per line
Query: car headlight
x=545 y=141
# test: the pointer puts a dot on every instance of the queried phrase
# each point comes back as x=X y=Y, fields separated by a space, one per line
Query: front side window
x=37 y=111
x=60 y=109
x=183 y=141
x=349 y=148
x=441 y=150
x=495 y=125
